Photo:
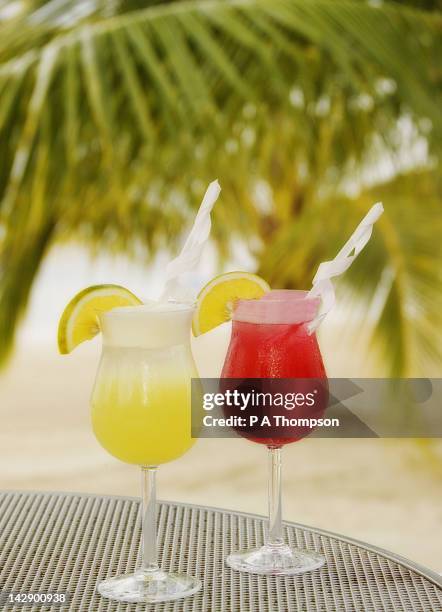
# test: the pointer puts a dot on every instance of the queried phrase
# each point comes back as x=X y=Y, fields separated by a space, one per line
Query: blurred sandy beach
x=384 y=492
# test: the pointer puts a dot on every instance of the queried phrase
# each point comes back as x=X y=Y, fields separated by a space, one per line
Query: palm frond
x=392 y=290
x=119 y=109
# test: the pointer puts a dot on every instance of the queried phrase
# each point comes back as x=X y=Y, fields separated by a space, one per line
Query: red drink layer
x=270 y=340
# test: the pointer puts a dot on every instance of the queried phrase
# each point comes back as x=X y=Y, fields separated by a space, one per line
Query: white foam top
x=277 y=306
x=152 y=325
x=151 y=306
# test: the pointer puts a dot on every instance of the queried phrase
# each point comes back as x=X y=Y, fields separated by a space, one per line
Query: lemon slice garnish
x=216 y=301
x=80 y=318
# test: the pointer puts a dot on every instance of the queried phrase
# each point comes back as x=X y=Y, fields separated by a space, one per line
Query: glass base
x=276 y=560
x=149 y=587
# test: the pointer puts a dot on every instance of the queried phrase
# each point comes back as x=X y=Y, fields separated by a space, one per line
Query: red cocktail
x=270 y=340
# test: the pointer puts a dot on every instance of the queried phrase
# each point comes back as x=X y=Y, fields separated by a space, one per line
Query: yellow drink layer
x=141 y=410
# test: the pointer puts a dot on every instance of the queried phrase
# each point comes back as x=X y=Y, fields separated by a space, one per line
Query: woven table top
x=51 y=542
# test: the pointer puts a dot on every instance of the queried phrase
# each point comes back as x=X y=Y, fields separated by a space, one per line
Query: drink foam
x=278 y=306
x=151 y=325
x=152 y=306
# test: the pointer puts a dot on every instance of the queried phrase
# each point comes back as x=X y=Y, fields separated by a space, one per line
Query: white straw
x=194 y=245
x=322 y=285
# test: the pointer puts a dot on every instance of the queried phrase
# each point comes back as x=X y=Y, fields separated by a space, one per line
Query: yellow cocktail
x=145 y=429
x=141 y=413
x=141 y=399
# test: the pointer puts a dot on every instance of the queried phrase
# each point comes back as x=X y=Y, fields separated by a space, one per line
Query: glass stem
x=275 y=509
x=149 y=561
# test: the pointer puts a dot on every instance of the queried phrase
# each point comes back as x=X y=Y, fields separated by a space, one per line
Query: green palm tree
x=115 y=115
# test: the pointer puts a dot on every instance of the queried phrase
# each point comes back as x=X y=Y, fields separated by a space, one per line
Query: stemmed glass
x=141 y=415
x=270 y=340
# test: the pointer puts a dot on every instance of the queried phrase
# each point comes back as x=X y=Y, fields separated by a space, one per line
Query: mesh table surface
x=68 y=542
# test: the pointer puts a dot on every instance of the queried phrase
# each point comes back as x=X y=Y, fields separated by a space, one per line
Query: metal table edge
x=425 y=572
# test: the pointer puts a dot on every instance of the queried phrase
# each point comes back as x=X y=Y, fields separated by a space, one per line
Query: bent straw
x=194 y=245
x=322 y=285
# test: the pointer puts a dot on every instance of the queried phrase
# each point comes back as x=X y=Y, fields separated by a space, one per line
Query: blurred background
x=114 y=117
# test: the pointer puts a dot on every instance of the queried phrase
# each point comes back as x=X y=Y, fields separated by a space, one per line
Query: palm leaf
x=107 y=117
